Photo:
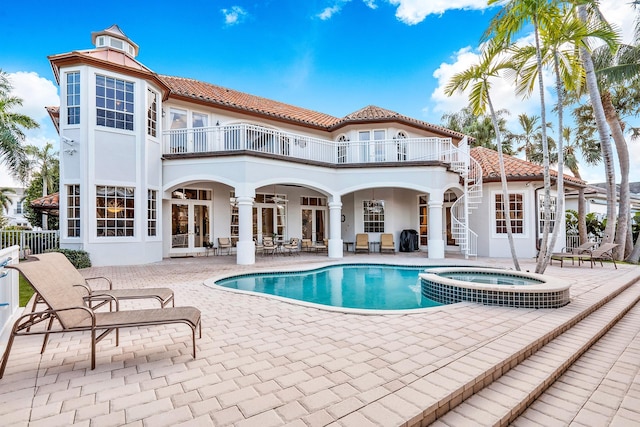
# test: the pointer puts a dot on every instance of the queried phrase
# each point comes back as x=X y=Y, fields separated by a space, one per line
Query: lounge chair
x=67 y=306
x=224 y=243
x=603 y=253
x=163 y=295
x=362 y=243
x=582 y=249
x=387 y=243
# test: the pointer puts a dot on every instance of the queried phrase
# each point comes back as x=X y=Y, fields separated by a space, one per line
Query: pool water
x=491 y=279
x=364 y=286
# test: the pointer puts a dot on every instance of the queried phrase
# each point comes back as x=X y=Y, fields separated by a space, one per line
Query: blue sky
x=334 y=56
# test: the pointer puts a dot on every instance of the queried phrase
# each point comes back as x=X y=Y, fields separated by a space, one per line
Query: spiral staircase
x=471 y=173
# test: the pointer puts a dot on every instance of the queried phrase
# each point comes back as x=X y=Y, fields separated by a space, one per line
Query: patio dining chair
x=268 y=246
x=71 y=313
x=292 y=246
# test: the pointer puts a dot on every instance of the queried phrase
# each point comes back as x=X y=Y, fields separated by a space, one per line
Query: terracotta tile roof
x=516 y=169
x=54 y=114
x=230 y=98
x=49 y=202
x=375 y=114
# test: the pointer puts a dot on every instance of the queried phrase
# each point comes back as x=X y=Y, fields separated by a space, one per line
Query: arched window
x=401 y=146
x=342 y=148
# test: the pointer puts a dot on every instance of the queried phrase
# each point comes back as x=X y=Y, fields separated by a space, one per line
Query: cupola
x=114 y=38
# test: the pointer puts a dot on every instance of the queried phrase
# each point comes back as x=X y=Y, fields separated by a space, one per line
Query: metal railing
x=471 y=172
x=259 y=139
x=36 y=242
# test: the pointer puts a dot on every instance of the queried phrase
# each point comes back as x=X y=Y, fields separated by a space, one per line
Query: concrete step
x=503 y=400
x=601 y=388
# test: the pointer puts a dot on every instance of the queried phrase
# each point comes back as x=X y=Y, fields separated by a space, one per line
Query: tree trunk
x=559 y=213
x=582 y=216
x=545 y=255
x=603 y=132
x=505 y=191
x=635 y=253
x=624 y=203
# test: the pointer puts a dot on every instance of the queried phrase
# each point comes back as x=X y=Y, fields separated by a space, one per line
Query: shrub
x=80 y=259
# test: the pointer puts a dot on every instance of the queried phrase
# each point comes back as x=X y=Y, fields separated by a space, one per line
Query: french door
x=313 y=224
x=190 y=226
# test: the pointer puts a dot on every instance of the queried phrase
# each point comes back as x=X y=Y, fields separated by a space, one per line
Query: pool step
x=501 y=401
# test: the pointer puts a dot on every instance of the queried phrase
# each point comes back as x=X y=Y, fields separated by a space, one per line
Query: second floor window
x=73 y=98
x=152 y=112
x=114 y=103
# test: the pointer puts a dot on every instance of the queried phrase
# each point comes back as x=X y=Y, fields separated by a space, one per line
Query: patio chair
x=224 y=243
x=387 y=243
x=362 y=243
x=259 y=246
x=306 y=245
x=292 y=247
x=322 y=246
x=69 y=309
x=268 y=246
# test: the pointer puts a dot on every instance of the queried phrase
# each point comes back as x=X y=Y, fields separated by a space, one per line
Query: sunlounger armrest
x=101 y=278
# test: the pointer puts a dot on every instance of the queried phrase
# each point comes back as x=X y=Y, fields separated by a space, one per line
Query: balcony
x=249 y=138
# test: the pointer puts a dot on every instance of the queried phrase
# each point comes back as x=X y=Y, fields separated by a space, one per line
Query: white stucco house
x=14 y=213
x=154 y=166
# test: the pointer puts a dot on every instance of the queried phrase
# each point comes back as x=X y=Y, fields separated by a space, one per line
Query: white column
x=335 y=233
x=436 y=232
x=245 y=248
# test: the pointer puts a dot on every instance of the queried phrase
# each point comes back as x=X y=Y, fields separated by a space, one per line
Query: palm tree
x=479 y=77
x=590 y=151
x=507 y=23
x=617 y=75
x=591 y=82
x=561 y=33
x=44 y=160
x=480 y=127
x=5 y=201
x=530 y=136
x=11 y=127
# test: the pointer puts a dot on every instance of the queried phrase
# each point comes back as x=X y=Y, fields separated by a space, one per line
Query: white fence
x=574 y=241
x=36 y=242
x=9 y=292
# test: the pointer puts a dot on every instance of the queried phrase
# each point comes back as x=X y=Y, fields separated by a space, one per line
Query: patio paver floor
x=269 y=363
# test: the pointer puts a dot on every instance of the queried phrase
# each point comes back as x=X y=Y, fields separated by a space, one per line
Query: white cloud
x=371 y=4
x=328 y=12
x=235 y=15
x=413 y=12
x=622 y=15
x=502 y=92
x=36 y=93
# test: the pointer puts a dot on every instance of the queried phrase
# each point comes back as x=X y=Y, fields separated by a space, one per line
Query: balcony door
x=372 y=148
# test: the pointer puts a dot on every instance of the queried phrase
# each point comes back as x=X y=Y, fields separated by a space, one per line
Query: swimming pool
x=360 y=286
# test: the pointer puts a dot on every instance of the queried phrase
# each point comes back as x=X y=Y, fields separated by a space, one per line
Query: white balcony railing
x=246 y=137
